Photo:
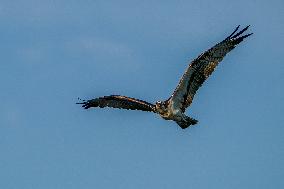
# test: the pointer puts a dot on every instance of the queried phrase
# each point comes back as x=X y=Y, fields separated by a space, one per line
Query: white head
x=161 y=107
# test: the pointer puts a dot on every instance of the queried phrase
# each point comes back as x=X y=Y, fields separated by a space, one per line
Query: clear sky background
x=55 y=51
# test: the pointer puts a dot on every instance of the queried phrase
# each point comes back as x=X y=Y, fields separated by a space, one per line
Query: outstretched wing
x=202 y=67
x=117 y=101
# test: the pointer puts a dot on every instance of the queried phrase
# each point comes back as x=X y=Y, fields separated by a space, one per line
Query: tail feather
x=187 y=122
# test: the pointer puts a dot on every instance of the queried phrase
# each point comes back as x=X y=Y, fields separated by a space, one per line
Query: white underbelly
x=172 y=113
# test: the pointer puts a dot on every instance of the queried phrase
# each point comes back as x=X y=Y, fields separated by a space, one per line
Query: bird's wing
x=117 y=101
x=202 y=67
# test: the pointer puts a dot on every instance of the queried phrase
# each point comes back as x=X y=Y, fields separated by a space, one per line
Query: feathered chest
x=169 y=112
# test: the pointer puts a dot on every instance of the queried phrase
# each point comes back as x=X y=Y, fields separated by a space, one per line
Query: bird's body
x=174 y=107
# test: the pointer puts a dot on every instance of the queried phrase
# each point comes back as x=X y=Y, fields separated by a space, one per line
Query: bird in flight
x=174 y=107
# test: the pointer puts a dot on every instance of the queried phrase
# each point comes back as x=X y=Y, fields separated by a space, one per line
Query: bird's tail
x=184 y=123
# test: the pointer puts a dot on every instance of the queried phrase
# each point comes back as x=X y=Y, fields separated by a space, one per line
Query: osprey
x=174 y=107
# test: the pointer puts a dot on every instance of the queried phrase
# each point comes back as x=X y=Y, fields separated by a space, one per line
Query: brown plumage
x=195 y=75
x=202 y=67
x=117 y=101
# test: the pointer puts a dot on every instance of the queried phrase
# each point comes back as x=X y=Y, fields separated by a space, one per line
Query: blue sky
x=55 y=51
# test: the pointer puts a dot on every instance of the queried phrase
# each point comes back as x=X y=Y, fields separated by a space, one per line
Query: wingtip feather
x=236 y=29
x=239 y=33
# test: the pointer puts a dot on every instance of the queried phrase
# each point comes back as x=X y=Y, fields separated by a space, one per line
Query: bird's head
x=161 y=107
